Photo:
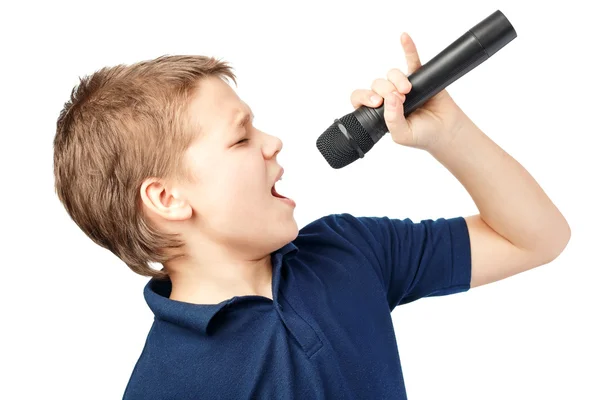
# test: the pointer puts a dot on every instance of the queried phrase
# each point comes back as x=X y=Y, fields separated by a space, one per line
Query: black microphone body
x=354 y=134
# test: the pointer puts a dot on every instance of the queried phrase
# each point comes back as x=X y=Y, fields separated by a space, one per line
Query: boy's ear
x=164 y=201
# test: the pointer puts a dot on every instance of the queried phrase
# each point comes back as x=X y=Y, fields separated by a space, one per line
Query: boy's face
x=234 y=169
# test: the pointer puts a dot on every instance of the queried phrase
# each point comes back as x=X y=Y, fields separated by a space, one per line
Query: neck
x=211 y=281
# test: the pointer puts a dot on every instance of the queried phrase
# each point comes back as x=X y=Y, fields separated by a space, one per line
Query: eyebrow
x=242 y=118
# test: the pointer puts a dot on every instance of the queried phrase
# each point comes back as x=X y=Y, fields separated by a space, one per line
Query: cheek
x=246 y=182
x=239 y=186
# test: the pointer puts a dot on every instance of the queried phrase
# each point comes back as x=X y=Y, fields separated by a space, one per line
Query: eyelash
x=242 y=141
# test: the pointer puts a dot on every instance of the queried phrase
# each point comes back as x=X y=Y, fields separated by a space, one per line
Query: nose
x=272 y=146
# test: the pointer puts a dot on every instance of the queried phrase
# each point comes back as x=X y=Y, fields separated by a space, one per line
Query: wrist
x=461 y=126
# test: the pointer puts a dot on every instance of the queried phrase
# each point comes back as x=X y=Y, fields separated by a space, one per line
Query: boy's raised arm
x=518 y=227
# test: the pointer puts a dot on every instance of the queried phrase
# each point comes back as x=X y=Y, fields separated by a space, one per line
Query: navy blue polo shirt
x=327 y=333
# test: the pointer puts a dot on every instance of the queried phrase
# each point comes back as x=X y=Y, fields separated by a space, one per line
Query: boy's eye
x=242 y=141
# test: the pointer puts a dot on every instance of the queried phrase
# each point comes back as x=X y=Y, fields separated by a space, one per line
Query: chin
x=291 y=230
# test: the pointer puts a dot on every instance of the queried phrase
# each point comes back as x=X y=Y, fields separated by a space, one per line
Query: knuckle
x=395 y=73
x=382 y=86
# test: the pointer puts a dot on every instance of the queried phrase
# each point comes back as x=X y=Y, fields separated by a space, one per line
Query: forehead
x=214 y=105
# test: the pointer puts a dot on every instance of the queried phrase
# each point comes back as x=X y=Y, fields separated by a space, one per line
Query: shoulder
x=140 y=381
x=342 y=239
x=364 y=233
x=335 y=226
x=347 y=224
x=163 y=370
x=326 y=231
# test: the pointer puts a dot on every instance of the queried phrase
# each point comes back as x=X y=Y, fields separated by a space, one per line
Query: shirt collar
x=197 y=317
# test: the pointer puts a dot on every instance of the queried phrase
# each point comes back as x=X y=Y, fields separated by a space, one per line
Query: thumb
x=393 y=113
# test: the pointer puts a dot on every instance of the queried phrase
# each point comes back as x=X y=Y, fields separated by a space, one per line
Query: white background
x=73 y=316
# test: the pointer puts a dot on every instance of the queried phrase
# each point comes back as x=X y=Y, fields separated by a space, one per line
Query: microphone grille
x=358 y=132
x=336 y=148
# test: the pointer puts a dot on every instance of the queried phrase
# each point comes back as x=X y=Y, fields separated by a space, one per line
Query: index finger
x=413 y=62
x=365 y=97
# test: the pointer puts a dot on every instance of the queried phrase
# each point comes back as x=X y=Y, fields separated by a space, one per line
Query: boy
x=159 y=162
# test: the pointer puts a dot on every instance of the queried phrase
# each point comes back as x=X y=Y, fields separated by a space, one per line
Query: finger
x=383 y=87
x=365 y=97
x=413 y=62
x=399 y=80
x=395 y=120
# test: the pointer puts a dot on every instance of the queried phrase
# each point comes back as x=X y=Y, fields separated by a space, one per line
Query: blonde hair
x=124 y=124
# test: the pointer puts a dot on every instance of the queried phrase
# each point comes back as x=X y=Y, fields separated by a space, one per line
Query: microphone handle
x=455 y=61
x=460 y=57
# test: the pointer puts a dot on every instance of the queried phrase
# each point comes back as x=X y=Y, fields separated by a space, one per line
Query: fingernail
x=375 y=99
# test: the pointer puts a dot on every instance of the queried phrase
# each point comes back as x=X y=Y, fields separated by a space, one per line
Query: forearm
x=509 y=199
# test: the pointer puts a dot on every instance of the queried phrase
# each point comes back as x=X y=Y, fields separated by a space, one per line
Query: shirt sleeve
x=414 y=260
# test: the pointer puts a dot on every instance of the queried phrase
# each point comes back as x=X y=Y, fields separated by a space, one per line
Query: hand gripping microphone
x=354 y=134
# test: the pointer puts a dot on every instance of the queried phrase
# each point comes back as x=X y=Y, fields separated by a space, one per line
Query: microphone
x=353 y=135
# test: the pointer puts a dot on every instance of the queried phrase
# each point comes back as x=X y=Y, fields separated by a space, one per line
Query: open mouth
x=275 y=194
